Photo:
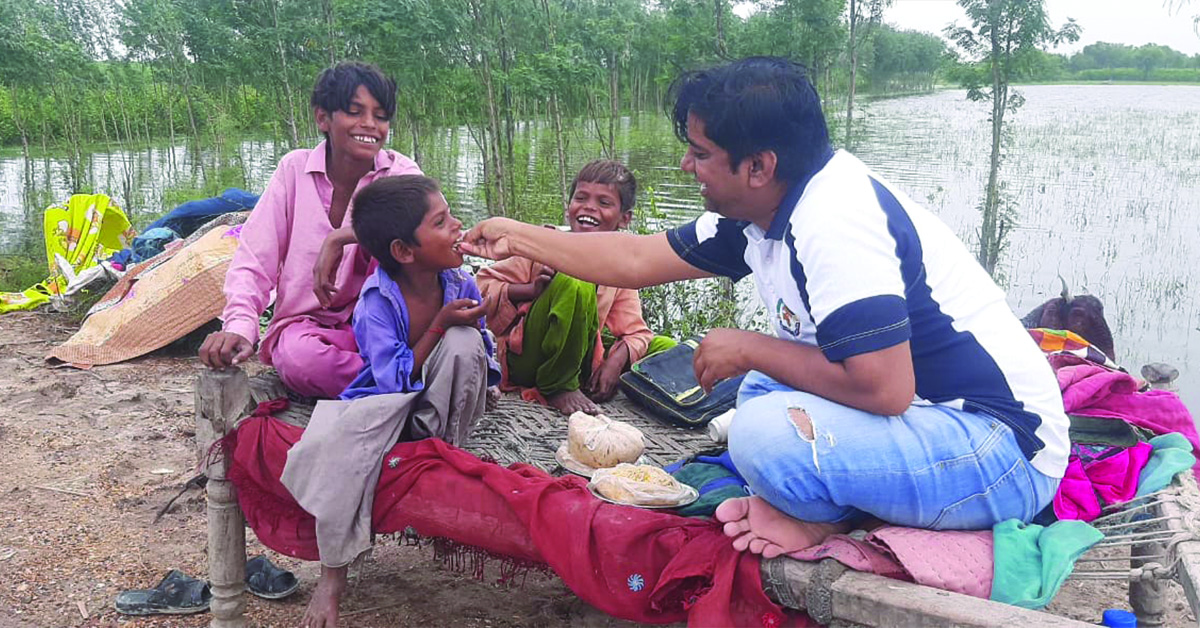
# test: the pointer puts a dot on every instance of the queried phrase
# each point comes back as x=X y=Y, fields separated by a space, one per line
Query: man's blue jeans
x=932 y=467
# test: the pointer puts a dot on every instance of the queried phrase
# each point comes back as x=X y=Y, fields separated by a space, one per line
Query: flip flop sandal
x=268 y=581
x=177 y=594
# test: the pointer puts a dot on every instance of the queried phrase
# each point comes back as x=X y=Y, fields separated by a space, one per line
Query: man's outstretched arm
x=622 y=260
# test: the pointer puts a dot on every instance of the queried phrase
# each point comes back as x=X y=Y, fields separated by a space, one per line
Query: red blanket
x=635 y=564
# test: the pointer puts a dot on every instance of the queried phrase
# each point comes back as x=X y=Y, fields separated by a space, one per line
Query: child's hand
x=326 y=267
x=222 y=349
x=603 y=384
x=459 y=312
x=543 y=279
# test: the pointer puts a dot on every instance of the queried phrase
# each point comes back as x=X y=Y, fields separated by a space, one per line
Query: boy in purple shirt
x=427 y=364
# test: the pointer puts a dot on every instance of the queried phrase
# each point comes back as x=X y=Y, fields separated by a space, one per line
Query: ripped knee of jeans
x=807 y=431
x=802 y=423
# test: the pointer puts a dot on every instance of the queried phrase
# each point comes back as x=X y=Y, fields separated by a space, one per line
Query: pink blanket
x=1094 y=391
x=952 y=560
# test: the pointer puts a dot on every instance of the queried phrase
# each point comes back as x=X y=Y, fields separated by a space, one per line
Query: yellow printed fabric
x=87 y=229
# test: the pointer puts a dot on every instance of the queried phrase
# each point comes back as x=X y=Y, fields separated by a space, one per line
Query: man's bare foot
x=760 y=528
x=322 y=611
x=571 y=401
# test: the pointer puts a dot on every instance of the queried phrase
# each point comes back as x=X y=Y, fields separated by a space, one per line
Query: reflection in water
x=1106 y=180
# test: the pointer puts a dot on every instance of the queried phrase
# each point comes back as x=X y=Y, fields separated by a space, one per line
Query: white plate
x=565 y=460
x=691 y=496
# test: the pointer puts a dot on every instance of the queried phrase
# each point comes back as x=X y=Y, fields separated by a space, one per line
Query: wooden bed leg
x=1147 y=597
x=222 y=397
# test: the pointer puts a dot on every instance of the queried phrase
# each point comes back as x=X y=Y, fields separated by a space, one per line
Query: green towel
x=1032 y=561
x=698 y=475
x=1172 y=454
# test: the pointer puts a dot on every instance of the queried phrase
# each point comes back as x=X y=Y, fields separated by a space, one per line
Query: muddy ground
x=88 y=457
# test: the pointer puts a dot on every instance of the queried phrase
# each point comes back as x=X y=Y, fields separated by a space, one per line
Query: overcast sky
x=1133 y=22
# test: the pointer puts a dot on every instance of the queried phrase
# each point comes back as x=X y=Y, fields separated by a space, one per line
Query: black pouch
x=665 y=384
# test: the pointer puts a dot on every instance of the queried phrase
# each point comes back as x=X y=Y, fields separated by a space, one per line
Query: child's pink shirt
x=280 y=243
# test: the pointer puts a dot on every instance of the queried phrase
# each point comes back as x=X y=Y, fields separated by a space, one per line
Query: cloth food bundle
x=79 y=233
x=665 y=384
x=599 y=442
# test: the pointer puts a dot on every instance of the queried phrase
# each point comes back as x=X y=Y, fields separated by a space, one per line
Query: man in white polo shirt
x=897 y=384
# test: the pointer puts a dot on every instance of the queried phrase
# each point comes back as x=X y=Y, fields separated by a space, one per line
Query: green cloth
x=560 y=335
x=700 y=474
x=1114 y=432
x=658 y=344
x=1172 y=454
x=1032 y=561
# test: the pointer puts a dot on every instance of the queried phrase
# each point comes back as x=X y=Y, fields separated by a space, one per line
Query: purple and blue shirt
x=381 y=330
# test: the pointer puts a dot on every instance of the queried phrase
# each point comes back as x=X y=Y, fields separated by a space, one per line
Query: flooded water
x=1107 y=185
x=1106 y=181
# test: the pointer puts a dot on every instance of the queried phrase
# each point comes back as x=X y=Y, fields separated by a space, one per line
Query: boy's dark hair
x=756 y=104
x=391 y=209
x=612 y=173
x=336 y=85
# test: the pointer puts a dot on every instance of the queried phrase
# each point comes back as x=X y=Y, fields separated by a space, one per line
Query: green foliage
x=18 y=272
x=1098 y=62
x=905 y=60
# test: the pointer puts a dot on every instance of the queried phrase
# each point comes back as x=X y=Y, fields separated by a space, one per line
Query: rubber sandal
x=177 y=594
x=268 y=581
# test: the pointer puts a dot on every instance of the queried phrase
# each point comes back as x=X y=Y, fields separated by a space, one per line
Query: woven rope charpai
x=519 y=431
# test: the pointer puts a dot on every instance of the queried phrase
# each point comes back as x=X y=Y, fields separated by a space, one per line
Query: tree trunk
x=28 y=165
x=327 y=7
x=287 y=86
x=170 y=125
x=854 y=4
x=614 y=104
x=494 y=133
x=505 y=55
x=719 y=19
x=989 y=244
x=560 y=144
x=413 y=132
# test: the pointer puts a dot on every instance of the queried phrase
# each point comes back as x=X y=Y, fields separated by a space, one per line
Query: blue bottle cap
x=1117 y=618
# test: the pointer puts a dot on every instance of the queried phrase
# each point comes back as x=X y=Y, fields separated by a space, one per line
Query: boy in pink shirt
x=311 y=347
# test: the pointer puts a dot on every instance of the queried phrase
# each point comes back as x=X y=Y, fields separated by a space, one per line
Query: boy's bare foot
x=571 y=401
x=492 y=400
x=760 y=528
x=322 y=611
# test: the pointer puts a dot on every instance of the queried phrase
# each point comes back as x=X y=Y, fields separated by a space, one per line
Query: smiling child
x=311 y=347
x=426 y=365
x=548 y=325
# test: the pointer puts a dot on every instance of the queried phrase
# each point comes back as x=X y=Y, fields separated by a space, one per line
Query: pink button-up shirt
x=280 y=243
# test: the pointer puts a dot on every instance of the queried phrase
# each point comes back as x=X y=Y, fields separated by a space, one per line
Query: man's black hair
x=390 y=209
x=753 y=105
x=336 y=85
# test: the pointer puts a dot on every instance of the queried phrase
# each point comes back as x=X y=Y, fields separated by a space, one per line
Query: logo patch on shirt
x=787 y=318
